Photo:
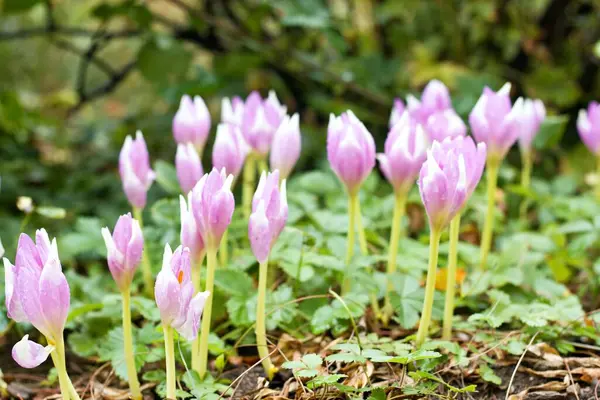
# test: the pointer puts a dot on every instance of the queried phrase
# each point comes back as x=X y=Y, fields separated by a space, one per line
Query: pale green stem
x=248 y=184
x=64 y=386
x=488 y=227
x=434 y=242
x=146 y=270
x=134 y=384
x=196 y=272
x=399 y=210
x=364 y=250
x=224 y=249
x=362 y=239
x=170 y=362
x=350 y=248
x=62 y=370
x=260 y=329
x=262 y=165
x=206 y=316
x=451 y=277
x=527 y=163
x=597 y=188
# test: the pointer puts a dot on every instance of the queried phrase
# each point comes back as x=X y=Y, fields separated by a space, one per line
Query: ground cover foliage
x=535 y=306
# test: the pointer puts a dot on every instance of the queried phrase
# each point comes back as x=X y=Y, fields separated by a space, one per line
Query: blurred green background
x=78 y=76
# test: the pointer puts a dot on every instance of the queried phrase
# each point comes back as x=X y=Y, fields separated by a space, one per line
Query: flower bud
x=191 y=123
x=532 y=116
x=285 y=149
x=174 y=293
x=190 y=235
x=188 y=166
x=444 y=124
x=405 y=150
x=494 y=122
x=269 y=214
x=588 y=125
x=448 y=177
x=350 y=150
x=124 y=250
x=36 y=289
x=397 y=111
x=229 y=150
x=232 y=110
x=212 y=206
x=260 y=120
x=134 y=167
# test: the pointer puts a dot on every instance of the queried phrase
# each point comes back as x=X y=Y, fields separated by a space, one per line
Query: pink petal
x=29 y=354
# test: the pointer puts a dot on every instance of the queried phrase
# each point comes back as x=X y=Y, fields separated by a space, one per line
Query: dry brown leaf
x=550 y=388
x=587 y=374
x=358 y=375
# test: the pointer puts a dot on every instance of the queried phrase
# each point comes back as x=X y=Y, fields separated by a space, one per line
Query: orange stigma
x=180 y=276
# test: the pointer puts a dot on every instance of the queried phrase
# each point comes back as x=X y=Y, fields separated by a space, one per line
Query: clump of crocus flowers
x=426 y=142
x=446 y=181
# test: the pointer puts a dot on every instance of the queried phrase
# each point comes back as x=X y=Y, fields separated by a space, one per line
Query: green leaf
x=416 y=356
x=346 y=358
x=157 y=375
x=162 y=59
x=83 y=344
x=377 y=394
x=323 y=319
x=323 y=380
x=165 y=212
x=166 y=177
x=577 y=226
x=17 y=6
x=488 y=374
x=234 y=282
x=312 y=360
x=146 y=307
x=111 y=349
x=407 y=300
x=551 y=132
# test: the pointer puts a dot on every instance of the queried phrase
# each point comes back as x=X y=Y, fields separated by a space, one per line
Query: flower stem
x=58 y=356
x=362 y=239
x=146 y=270
x=488 y=227
x=224 y=249
x=248 y=184
x=170 y=361
x=399 y=210
x=196 y=268
x=134 y=384
x=206 y=316
x=64 y=386
x=434 y=242
x=597 y=188
x=527 y=162
x=262 y=165
x=260 y=330
x=451 y=278
x=350 y=248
